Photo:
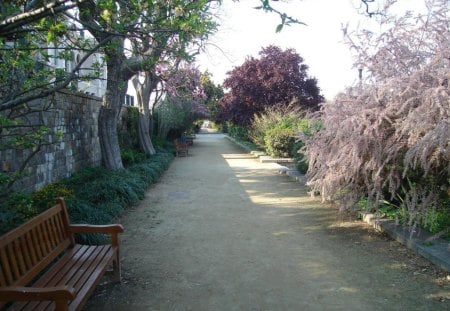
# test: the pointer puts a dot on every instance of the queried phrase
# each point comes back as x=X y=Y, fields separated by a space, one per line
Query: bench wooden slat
x=19 y=256
x=81 y=270
x=19 y=231
x=59 y=229
x=25 y=252
x=36 y=246
x=31 y=248
x=41 y=242
x=5 y=272
x=98 y=270
x=13 y=261
x=50 y=237
x=6 y=266
x=72 y=256
x=84 y=276
x=47 y=244
x=70 y=261
x=2 y=277
x=56 y=276
x=43 y=263
x=54 y=230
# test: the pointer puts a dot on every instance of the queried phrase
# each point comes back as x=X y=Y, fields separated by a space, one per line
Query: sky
x=245 y=30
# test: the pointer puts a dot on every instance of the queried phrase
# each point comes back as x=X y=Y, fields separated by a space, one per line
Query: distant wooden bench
x=181 y=149
x=42 y=252
x=190 y=140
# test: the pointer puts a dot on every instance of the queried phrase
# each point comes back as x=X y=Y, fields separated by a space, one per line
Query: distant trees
x=214 y=94
x=184 y=101
x=276 y=78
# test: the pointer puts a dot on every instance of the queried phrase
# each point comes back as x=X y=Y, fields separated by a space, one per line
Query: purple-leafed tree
x=276 y=78
x=184 y=102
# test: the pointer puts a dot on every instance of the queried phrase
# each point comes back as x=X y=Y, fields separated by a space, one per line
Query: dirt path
x=222 y=231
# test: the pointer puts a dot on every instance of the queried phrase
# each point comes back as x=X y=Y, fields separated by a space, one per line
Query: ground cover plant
x=387 y=140
x=94 y=195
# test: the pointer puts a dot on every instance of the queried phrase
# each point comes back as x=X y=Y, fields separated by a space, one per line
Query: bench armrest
x=113 y=230
x=59 y=293
x=83 y=228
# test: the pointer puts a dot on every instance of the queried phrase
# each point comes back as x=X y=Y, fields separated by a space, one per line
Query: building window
x=129 y=100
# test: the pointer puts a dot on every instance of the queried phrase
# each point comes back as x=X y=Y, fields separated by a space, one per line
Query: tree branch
x=9 y=25
x=18 y=101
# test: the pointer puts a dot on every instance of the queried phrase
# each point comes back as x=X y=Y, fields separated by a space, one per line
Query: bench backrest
x=28 y=249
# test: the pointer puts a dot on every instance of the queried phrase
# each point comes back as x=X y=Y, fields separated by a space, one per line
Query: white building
x=94 y=87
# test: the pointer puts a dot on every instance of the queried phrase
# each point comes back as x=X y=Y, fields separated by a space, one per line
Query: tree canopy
x=276 y=78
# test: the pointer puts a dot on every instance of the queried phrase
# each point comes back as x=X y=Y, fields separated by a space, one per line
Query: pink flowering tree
x=388 y=138
x=184 y=101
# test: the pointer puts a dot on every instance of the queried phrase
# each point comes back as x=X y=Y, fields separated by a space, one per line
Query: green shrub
x=237 y=131
x=104 y=190
x=45 y=197
x=16 y=209
x=131 y=156
x=158 y=142
x=437 y=220
x=94 y=195
x=128 y=128
x=279 y=142
x=301 y=164
x=85 y=175
x=85 y=213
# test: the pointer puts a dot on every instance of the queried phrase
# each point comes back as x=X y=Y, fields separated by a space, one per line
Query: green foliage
x=102 y=195
x=434 y=220
x=279 y=142
x=128 y=129
x=94 y=195
x=276 y=131
x=131 y=156
x=437 y=219
x=16 y=209
x=85 y=175
x=301 y=162
x=82 y=212
x=214 y=94
x=44 y=198
x=236 y=131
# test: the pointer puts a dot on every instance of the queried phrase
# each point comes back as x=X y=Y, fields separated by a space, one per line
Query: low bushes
x=279 y=142
x=94 y=195
x=277 y=131
x=236 y=131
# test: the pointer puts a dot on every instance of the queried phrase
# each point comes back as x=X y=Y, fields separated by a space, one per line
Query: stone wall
x=75 y=117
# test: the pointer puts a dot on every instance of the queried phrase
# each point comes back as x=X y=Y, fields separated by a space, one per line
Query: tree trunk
x=145 y=141
x=151 y=124
x=116 y=88
x=143 y=92
x=109 y=141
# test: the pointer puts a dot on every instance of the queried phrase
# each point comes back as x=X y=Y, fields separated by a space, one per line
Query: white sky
x=244 y=31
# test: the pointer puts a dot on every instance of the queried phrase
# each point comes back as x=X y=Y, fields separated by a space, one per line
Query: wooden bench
x=181 y=149
x=190 y=140
x=42 y=268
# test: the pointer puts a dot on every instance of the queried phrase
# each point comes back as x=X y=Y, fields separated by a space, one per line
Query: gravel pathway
x=222 y=231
